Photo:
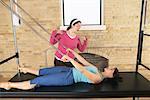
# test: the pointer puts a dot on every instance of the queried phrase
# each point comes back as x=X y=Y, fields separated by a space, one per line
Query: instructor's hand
x=65 y=58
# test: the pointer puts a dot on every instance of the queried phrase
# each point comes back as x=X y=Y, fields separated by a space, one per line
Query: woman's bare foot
x=5 y=85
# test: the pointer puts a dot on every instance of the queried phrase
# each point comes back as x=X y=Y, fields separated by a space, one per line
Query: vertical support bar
x=14 y=35
x=139 y=53
x=138 y=61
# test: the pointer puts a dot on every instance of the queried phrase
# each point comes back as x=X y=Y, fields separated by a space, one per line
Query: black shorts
x=61 y=63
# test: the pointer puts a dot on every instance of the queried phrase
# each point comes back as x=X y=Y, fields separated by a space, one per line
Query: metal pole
x=37 y=33
x=36 y=22
x=15 y=39
x=139 y=52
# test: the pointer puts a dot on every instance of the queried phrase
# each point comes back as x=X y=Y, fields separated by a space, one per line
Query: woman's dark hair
x=116 y=73
x=71 y=23
x=116 y=78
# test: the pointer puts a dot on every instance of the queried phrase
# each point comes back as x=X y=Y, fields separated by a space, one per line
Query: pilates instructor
x=67 y=39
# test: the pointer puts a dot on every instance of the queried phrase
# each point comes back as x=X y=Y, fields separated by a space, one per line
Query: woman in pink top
x=67 y=39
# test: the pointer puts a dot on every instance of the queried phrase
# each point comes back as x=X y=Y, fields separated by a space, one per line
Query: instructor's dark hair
x=73 y=22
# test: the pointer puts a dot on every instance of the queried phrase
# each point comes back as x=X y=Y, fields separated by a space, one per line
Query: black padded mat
x=131 y=84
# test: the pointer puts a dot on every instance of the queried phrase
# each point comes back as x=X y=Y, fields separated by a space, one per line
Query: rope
x=36 y=22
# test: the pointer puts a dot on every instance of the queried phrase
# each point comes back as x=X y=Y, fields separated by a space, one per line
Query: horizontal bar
x=147 y=34
x=145 y=66
x=7 y=59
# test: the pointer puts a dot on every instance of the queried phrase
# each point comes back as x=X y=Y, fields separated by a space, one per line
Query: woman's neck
x=72 y=33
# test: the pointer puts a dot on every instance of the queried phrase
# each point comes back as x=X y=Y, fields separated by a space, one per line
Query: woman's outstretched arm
x=80 y=58
x=94 y=77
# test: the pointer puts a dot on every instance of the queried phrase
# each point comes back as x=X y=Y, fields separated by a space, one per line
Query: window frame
x=101 y=26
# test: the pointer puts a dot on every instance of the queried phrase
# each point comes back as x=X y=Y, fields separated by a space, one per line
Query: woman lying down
x=61 y=75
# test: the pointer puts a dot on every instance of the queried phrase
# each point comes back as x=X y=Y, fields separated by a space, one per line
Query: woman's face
x=77 y=26
x=109 y=72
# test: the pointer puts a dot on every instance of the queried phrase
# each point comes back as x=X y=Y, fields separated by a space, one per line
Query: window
x=90 y=12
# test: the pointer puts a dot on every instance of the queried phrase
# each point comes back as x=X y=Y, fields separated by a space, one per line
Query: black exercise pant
x=61 y=63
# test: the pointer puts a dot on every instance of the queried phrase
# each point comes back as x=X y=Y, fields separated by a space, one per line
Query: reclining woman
x=61 y=75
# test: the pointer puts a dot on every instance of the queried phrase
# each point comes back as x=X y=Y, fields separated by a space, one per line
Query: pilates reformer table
x=131 y=84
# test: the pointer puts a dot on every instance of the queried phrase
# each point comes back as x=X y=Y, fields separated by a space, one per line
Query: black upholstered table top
x=131 y=84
